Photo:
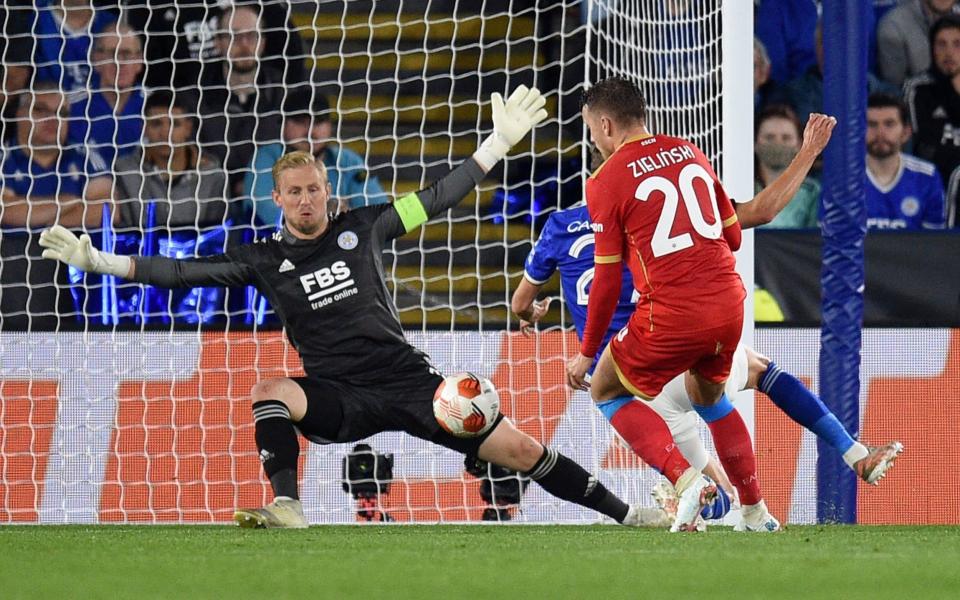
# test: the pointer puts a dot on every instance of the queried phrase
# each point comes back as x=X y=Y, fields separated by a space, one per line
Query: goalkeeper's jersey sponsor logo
x=330 y=284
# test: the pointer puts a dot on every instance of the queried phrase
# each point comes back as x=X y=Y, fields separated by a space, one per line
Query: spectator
x=186 y=188
x=43 y=182
x=41 y=176
x=16 y=43
x=882 y=7
x=786 y=29
x=903 y=192
x=170 y=189
x=953 y=197
x=777 y=143
x=241 y=98
x=309 y=128
x=934 y=100
x=903 y=46
x=62 y=38
x=109 y=117
x=765 y=90
x=805 y=93
x=177 y=41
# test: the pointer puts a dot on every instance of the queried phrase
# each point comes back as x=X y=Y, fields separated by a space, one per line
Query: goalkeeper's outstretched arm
x=63 y=245
x=512 y=120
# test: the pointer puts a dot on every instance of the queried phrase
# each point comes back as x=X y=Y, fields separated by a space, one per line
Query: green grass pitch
x=503 y=562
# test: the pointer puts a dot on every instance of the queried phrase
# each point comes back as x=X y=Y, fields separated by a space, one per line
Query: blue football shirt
x=566 y=244
x=913 y=200
x=94 y=124
x=62 y=55
x=66 y=177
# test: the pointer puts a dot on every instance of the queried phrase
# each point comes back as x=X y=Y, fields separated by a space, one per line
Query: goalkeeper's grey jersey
x=329 y=292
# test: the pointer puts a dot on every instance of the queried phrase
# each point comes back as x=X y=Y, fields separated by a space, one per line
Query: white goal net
x=125 y=403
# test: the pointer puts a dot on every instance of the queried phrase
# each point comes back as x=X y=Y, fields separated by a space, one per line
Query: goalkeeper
x=324 y=277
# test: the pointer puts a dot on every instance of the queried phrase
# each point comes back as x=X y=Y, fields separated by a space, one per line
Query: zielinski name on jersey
x=327 y=285
x=664 y=158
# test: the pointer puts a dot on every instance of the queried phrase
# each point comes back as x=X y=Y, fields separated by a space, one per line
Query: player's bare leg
x=649 y=437
x=702 y=391
x=757 y=365
x=509 y=447
x=277 y=404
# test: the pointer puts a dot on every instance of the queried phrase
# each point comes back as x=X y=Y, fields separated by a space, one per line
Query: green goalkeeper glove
x=511 y=122
x=61 y=244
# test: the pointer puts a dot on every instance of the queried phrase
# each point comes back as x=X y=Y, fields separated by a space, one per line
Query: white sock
x=856 y=452
x=686 y=480
x=754 y=511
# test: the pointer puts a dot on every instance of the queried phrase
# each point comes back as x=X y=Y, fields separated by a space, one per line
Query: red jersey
x=657 y=203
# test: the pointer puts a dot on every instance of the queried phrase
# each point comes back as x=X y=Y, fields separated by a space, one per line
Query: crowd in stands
x=133 y=118
x=913 y=115
x=160 y=101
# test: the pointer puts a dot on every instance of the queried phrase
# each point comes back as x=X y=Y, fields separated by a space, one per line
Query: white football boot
x=695 y=490
x=756 y=518
x=647 y=516
x=666 y=498
x=282 y=513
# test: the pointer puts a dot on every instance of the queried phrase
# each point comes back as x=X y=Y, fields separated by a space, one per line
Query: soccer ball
x=466 y=405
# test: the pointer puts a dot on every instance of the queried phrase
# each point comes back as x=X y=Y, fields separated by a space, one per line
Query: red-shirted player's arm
x=604 y=293
x=728 y=214
x=731 y=225
x=608 y=271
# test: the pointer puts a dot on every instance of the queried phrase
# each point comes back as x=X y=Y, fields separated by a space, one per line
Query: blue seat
x=108 y=301
x=196 y=305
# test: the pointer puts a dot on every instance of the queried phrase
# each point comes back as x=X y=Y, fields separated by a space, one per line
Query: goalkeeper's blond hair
x=293 y=160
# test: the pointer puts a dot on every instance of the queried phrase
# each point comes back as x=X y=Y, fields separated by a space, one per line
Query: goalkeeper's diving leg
x=509 y=447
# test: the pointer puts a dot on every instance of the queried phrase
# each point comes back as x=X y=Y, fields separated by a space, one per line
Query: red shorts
x=646 y=360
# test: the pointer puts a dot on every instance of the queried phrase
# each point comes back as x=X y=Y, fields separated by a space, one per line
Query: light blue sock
x=610 y=407
x=715 y=412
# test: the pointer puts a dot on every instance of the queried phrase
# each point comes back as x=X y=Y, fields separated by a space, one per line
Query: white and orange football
x=466 y=405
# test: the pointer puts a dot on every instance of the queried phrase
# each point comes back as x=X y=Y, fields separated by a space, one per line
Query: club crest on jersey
x=348 y=240
x=910 y=206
